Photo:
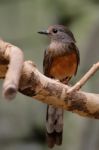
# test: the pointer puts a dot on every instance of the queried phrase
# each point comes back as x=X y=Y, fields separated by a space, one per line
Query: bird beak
x=43 y=32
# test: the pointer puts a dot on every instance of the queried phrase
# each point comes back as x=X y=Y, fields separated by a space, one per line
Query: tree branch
x=85 y=78
x=14 y=56
x=34 y=84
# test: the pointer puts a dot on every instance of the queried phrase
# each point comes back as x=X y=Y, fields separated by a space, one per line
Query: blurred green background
x=22 y=121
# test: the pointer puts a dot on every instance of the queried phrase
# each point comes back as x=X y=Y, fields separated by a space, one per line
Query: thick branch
x=36 y=85
x=46 y=90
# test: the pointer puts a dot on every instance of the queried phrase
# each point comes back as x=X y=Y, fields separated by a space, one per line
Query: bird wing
x=47 y=62
x=72 y=47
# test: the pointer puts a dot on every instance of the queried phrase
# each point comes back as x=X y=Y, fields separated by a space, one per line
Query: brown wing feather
x=73 y=47
x=47 y=62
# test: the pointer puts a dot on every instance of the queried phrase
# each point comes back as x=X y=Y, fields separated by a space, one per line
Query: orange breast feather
x=64 y=66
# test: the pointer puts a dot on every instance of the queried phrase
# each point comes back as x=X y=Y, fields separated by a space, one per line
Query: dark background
x=22 y=121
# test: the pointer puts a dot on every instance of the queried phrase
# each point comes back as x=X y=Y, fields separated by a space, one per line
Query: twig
x=84 y=79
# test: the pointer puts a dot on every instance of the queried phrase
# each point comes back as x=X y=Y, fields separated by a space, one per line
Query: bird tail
x=54 y=126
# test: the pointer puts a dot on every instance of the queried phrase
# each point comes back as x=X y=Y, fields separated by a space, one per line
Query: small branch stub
x=14 y=56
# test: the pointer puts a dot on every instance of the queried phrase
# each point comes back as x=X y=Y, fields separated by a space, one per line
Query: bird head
x=58 y=32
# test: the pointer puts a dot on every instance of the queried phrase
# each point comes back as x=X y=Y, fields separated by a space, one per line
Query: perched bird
x=61 y=59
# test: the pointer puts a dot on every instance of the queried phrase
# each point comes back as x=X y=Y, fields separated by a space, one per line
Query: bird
x=61 y=60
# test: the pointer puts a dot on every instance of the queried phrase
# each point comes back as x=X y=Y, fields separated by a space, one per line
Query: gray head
x=59 y=32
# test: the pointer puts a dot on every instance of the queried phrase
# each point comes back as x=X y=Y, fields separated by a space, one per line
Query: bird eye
x=54 y=30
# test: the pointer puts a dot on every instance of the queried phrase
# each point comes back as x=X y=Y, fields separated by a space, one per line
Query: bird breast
x=63 y=66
